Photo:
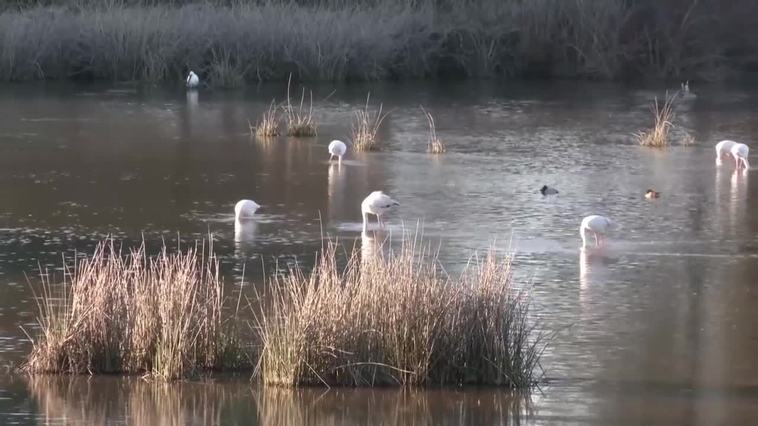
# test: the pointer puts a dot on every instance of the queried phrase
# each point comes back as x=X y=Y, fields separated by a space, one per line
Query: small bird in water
x=650 y=194
x=192 y=80
x=545 y=190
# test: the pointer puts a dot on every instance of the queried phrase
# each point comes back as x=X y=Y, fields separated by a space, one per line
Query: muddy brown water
x=659 y=327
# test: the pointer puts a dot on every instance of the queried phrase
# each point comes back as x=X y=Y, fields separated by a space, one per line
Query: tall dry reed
x=300 y=121
x=366 y=127
x=663 y=120
x=268 y=126
x=397 y=319
x=130 y=313
x=433 y=145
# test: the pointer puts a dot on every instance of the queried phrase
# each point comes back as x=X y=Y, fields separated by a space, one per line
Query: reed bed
x=268 y=126
x=134 y=314
x=366 y=128
x=300 y=121
x=236 y=42
x=397 y=319
x=433 y=145
x=663 y=120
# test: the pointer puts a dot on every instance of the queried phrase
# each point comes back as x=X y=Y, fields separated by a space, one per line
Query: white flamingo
x=739 y=152
x=337 y=149
x=597 y=225
x=723 y=149
x=377 y=203
x=192 y=80
x=245 y=209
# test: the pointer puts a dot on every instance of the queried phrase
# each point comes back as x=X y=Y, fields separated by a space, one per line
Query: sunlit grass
x=366 y=127
x=268 y=125
x=663 y=120
x=300 y=121
x=433 y=145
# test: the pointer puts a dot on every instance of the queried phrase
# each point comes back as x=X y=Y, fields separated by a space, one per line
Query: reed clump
x=134 y=314
x=268 y=125
x=397 y=319
x=300 y=121
x=433 y=145
x=366 y=128
x=663 y=120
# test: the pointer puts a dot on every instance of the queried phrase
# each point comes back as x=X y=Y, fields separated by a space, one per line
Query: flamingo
x=337 y=149
x=724 y=148
x=192 y=80
x=596 y=224
x=377 y=203
x=545 y=190
x=739 y=152
x=245 y=209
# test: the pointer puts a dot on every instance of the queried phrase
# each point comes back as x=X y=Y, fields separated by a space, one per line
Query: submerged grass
x=233 y=42
x=663 y=120
x=434 y=145
x=397 y=320
x=366 y=127
x=134 y=314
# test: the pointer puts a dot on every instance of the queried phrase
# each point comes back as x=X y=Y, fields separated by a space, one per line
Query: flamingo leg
x=596 y=240
x=331 y=157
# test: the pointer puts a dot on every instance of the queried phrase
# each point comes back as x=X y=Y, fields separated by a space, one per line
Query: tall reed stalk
x=663 y=120
x=366 y=127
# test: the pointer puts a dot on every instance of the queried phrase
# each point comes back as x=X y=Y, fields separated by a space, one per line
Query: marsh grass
x=663 y=120
x=366 y=127
x=397 y=319
x=129 y=313
x=433 y=145
x=268 y=125
x=300 y=122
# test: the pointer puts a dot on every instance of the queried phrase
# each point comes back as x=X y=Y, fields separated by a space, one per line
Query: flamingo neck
x=584 y=236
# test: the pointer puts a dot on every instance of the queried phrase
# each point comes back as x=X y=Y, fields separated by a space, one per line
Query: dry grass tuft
x=365 y=128
x=397 y=319
x=434 y=145
x=688 y=139
x=135 y=314
x=300 y=122
x=663 y=116
x=268 y=126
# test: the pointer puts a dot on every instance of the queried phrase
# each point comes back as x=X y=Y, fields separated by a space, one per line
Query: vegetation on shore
x=229 y=43
x=394 y=319
x=398 y=319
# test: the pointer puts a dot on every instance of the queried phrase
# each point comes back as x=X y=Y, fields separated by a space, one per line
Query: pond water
x=658 y=327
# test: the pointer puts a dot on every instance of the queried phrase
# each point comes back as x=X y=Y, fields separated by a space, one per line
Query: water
x=656 y=328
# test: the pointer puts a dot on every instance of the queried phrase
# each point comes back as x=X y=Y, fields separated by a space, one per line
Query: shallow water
x=656 y=328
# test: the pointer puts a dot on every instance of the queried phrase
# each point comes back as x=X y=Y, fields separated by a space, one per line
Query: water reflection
x=738 y=199
x=244 y=237
x=373 y=245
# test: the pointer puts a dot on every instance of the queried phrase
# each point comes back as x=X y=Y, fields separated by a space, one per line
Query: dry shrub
x=365 y=128
x=397 y=319
x=268 y=126
x=663 y=120
x=434 y=145
x=132 y=313
x=300 y=122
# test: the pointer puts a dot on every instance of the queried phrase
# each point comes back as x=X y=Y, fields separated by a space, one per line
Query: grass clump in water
x=366 y=126
x=300 y=122
x=397 y=319
x=434 y=145
x=663 y=120
x=135 y=314
x=268 y=126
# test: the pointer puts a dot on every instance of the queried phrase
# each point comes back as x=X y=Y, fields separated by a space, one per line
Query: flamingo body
x=724 y=148
x=377 y=203
x=740 y=152
x=245 y=209
x=597 y=225
x=192 y=80
x=337 y=149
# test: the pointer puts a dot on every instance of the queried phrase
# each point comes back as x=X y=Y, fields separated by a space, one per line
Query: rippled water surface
x=659 y=327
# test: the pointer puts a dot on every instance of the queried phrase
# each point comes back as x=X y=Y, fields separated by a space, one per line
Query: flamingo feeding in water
x=337 y=149
x=723 y=149
x=377 y=203
x=245 y=209
x=739 y=152
x=597 y=225
x=192 y=80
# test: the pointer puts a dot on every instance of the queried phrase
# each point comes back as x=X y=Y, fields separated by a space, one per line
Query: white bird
x=192 y=80
x=740 y=152
x=245 y=209
x=377 y=203
x=724 y=148
x=597 y=225
x=337 y=149
x=545 y=190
